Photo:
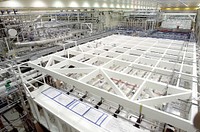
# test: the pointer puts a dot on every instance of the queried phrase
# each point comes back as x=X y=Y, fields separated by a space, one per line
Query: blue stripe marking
x=99 y=117
x=75 y=105
x=49 y=96
x=56 y=96
x=77 y=102
x=86 y=111
x=74 y=101
x=103 y=120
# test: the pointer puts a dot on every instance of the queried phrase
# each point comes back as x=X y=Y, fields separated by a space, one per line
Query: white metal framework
x=153 y=77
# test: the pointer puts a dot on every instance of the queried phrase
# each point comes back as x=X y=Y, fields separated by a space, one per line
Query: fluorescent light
x=58 y=4
x=38 y=3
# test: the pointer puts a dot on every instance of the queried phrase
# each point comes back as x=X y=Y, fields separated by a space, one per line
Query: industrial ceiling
x=178 y=3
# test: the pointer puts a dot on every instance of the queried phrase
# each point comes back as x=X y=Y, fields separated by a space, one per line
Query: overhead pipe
x=41 y=42
x=38 y=17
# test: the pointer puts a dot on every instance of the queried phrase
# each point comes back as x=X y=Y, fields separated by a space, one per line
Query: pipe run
x=41 y=42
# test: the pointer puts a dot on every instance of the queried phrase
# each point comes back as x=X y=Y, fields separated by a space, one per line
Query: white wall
x=126 y=4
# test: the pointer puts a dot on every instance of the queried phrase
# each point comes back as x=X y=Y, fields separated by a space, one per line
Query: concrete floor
x=13 y=116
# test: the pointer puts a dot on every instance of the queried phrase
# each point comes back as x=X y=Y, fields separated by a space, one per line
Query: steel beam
x=149 y=112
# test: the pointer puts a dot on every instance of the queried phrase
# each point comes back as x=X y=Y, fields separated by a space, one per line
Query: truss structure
x=153 y=77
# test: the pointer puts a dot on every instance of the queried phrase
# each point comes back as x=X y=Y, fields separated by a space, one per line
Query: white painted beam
x=49 y=62
x=194 y=109
x=113 y=85
x=165 y=99
x=149 y=112
x=73 y=70
x=59 y=65
x=89 y=76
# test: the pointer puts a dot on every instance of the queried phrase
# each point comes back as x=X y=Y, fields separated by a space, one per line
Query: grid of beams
x=156 y=73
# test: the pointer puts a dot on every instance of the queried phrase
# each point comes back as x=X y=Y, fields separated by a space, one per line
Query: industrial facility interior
x=99 y=66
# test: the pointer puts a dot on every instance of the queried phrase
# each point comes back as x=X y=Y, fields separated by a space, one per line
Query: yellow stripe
x=180 y=8
x=140 y=109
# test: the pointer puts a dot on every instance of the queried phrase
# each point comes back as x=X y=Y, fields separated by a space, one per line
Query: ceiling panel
x=178 y=3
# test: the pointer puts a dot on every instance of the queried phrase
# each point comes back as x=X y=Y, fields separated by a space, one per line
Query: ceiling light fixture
x=183 y=3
